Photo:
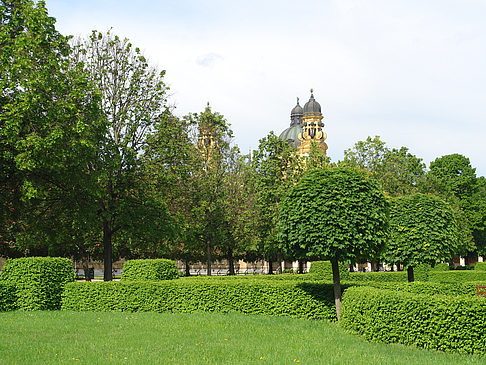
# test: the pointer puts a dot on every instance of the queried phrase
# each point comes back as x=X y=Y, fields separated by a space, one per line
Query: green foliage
x=50 y=129
x=323 y=270
x=451 y=324
x=481 y=266
x=379 y=277
x=8 y=296
x=146 y=269
x=289 y=298
x=39 y=280
x=334 y=213
x=421 y=272
x=423 y=230
x=431 y=288
x=457 y=276
x=442 y=266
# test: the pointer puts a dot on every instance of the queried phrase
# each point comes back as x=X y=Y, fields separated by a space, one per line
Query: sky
x=412 y=72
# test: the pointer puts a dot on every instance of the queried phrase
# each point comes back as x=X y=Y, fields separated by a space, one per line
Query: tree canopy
x=423 y=229
x=334 y=214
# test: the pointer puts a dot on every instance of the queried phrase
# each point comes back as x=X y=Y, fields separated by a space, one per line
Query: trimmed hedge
x=39 y=281
x=149 y=269
x=431 y=288
x=8 y=297
x=457 y=276
x=443 y=266
x=380 y=276
x=480 y=266
x=323 y=270
x=451 y=324
x=289 y=298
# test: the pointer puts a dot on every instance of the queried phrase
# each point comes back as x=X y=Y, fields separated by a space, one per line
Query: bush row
x=431 y=288
x=451 y=324
x=456 y=276
x=39 y=281
x=388 y=276
x=480 y=266
x=155 y=269
x=8 y=297
x=323 y=270
x=295 y=299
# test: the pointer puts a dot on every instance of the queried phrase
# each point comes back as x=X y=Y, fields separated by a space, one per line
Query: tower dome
x=312 y=106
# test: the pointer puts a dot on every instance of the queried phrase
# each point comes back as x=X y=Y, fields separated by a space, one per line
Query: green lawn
x=202 y=338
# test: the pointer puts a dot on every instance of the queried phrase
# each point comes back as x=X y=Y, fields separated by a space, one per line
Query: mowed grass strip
x=198 y=338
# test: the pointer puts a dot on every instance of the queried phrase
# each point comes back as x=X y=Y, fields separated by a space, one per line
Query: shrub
x=8 y=297
x=388 y=276
x=148 y=269
x=421 y=272
x=443 y=266
x=39 y=280
x=480 y=266
x=289 y=298
x=431 y=288
x=452 y=324
x=323 y=270
x=454 y=276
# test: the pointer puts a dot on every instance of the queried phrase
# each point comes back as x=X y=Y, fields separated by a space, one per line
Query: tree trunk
x=301 y=266
x=410 y=274
x=231 y=263
x=270 y=267
x=208 y=259
x=107 y=252
x=337 y=286
x=87 y=276
x=187 y=268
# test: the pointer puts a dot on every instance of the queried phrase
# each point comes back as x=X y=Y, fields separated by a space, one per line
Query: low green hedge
x=323 y=270
x=443 y=266
x=451 y=324
x=380 y=276
x=457 y=276
x=149 y=269
x=8 y=297
x=431 y=288
x=289 y=298
x=39 y=280
x=480 y=266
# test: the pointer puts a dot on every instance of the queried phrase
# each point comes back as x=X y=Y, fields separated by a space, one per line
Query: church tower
x=312 y=128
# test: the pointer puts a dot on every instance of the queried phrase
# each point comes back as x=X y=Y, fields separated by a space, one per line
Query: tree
x=397 y=170
x=133 y=99
x=50 y=130
x=423 y=229
x=454 y=179
x=334 y=214
x=273 y=171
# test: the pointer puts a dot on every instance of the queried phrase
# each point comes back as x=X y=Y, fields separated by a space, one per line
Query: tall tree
x=133 y=99
x=275 y=166
x=50 y=130
x=335 y=214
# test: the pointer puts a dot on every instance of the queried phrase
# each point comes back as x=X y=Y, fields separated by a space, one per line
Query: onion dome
x=312 y=106
x=297 y=110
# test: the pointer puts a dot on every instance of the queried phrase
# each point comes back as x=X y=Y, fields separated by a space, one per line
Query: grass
x=198 y=338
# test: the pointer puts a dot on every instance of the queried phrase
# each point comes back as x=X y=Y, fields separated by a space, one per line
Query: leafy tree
x=397 y=170
x=133 y=100
x=456 y=172
x=454 y=179
x=50 y=131
x=273 y=171
x=422 y=230
x=334 y=214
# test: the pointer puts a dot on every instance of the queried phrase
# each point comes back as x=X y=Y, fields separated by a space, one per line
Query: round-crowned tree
x=334 y=214
x=423 y=230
